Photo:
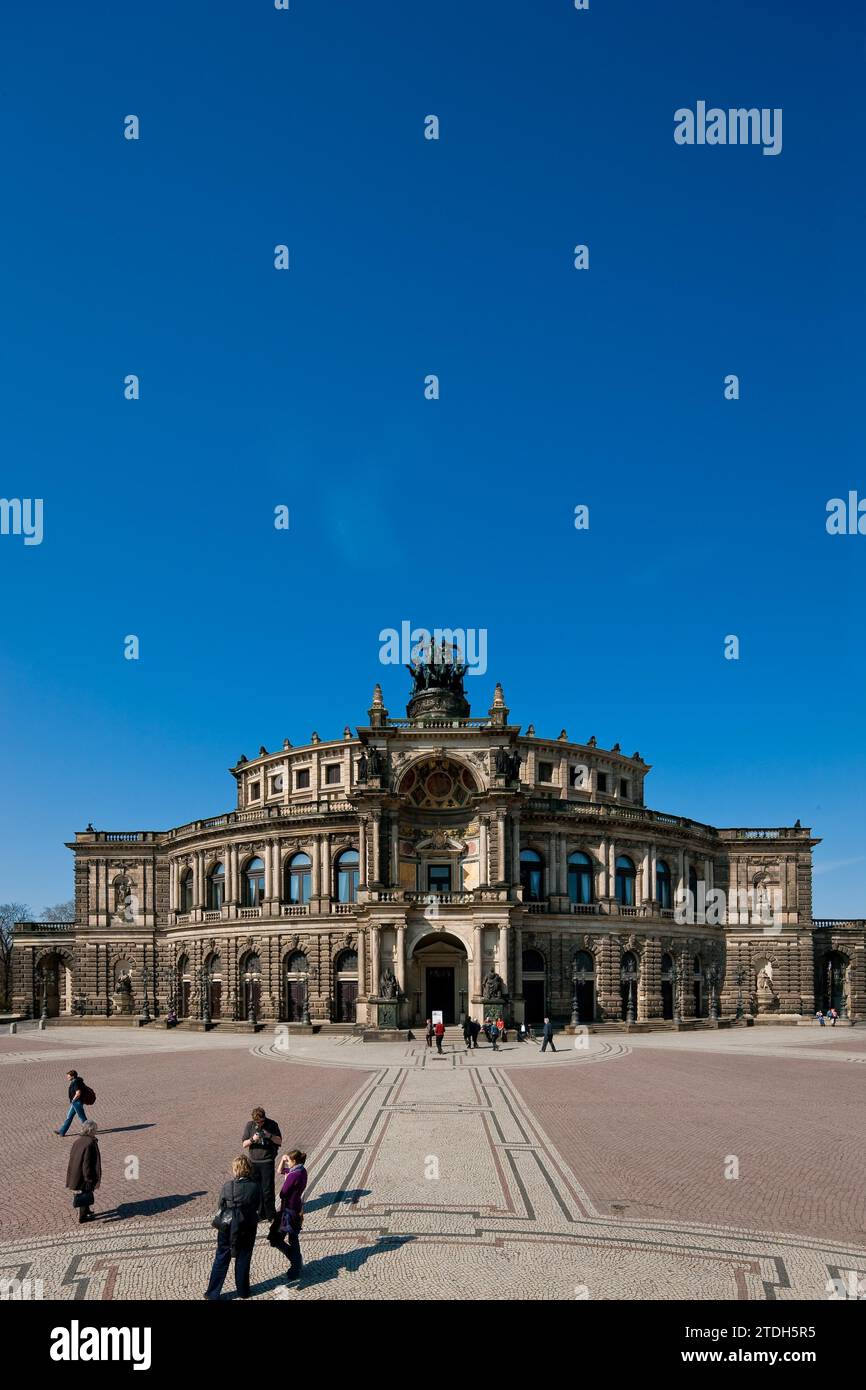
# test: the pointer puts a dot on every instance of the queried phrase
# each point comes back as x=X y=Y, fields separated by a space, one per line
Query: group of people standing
x=248 y=1198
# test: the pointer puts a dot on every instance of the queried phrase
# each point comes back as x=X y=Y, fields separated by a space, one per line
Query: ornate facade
x=442 y=862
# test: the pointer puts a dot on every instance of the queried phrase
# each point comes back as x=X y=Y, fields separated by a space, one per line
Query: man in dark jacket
x=239 y=1203
x=547 y=1035
x=84 y=1170
x=76 y=1104
x=261 y=1142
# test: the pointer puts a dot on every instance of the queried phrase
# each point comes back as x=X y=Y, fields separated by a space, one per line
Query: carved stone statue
x=493 y=986
x=765 y=984
x=122 y=999
x=388 y=985
x=363 y=768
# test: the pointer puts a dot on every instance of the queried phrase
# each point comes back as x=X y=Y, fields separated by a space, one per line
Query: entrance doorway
x=533 y=1001
x=440 y=992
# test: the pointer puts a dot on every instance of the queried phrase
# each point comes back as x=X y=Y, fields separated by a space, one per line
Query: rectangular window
x=545 y=772
x=255 y=790
x=439 y=878
x=601 y=781
x=623 y=786
x=302 y=778
x=277 y=784
x=333 y=774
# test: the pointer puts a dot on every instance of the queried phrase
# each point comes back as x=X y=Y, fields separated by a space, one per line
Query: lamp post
x=44 y=1014
x=740 y=977
x=205 y=996
x=629 y=1008
x=713 y=977
x=305 y=1016
x=145 y=1013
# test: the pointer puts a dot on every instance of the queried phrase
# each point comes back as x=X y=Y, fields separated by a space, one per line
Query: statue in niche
x=493 y=986
x=125 y=901
x=388 y=988
x=123 y=993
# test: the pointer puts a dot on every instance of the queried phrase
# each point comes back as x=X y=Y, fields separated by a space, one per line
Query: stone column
x=515 y=861
x=316 y=870
x=400 y=963
x=374 y=958
x=362 y=853
x=654 y=860
x=477 y=960
x=602 y=875
x=483 y=854
x=551 y=876
x=325 y=874
x=518 y=961
x=611 y=868
x=683 y=881
x=562 y=886
x=645 y=876
x=376 y=851
x=503 y=956
x=235 y=875
x=395 y=850
x=500 y=845
x=172 y=885
x=277 y=871
x=200 y=879
x=362 y=963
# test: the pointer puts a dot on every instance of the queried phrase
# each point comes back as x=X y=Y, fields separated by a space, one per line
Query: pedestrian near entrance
x=522 y=1035
x=467 y=1032
x=476 y=1029
x=261 y=1140
x=439 y=1030
x=429 y=1032
x=500 y=1028
x=287 y=1236
x=547 y=1035
x=236 y=1221
x=492 y=1031
x=820 y=1018
x=84 y=1171
x=80 y=1094
x=832 y=1015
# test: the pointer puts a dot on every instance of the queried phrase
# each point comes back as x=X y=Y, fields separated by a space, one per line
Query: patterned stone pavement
x=433 y=1178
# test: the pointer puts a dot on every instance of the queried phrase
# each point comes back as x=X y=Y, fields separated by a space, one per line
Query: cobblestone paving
x=476 y=1175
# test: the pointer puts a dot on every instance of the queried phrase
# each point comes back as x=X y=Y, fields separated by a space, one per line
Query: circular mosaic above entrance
x=441 y=785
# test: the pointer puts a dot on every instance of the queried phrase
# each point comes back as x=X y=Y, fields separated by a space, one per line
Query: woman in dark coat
x=292 y=1212
x=84 y=1171
x=240 y=1200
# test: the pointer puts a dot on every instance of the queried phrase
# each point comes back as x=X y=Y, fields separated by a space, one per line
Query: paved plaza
x=702 y=1165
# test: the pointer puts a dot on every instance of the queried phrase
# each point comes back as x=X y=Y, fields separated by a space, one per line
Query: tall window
x=530 y=875
x=186 y=882
x=254 y=883
x=333 y=774
x=439 y=878
x=579 y=878
x=347 y=876
x=625 y=876
x=216 y=887
x=601 y=781
x=663 y=883
x=298 y=878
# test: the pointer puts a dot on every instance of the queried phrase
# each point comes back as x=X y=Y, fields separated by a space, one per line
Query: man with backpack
x=80 y=1094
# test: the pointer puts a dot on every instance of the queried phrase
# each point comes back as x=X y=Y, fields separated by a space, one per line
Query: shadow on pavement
x=346 y=1198
x=329 y=1266
x=153 y=1206
x=125 y=1129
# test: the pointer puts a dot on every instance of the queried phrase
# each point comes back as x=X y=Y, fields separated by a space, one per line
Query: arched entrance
x=346 y=987
x=534 y=991
x=439 y=978
x=183 y=993
x=251 y=975
x=584 y=971
x=667 y=986
x=297 y=974
x=213 y=982
x=833 y=978
x=54 y=985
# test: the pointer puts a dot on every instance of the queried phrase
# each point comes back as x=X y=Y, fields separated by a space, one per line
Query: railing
x=557 y=806
x=839 y=923
x=37 y=928
x=343 y=909
x=440 y=722
x=439 y=899
x=537 y=907
x=247 y=912
x=215 y=916
x=295 y=909
x=585 y=909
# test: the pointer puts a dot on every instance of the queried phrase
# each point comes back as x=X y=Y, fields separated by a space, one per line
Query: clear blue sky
x=558 y=387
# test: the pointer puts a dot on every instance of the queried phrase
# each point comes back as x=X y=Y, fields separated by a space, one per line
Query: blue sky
x=305 y=387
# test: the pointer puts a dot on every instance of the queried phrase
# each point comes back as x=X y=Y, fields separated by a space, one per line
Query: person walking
x=79 y=1094
x=429 y=1032
x=492 y=1031
x=236 y=1221
x=84 y=1171
x=286 y=1236
x=522 y=1034
x=467 y=1032
x=547 y=1035
x=832 y=1015
x=439 y=1030
x=500 y=1028
x=476 y=1029
x=261 y=1140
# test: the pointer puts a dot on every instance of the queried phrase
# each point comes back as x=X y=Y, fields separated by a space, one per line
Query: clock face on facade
x=440 y=786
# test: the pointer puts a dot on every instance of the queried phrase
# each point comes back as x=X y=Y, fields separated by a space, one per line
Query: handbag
x=83 y=1199
x=224 y=1215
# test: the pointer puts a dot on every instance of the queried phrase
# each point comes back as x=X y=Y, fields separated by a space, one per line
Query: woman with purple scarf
x=287 y=1237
